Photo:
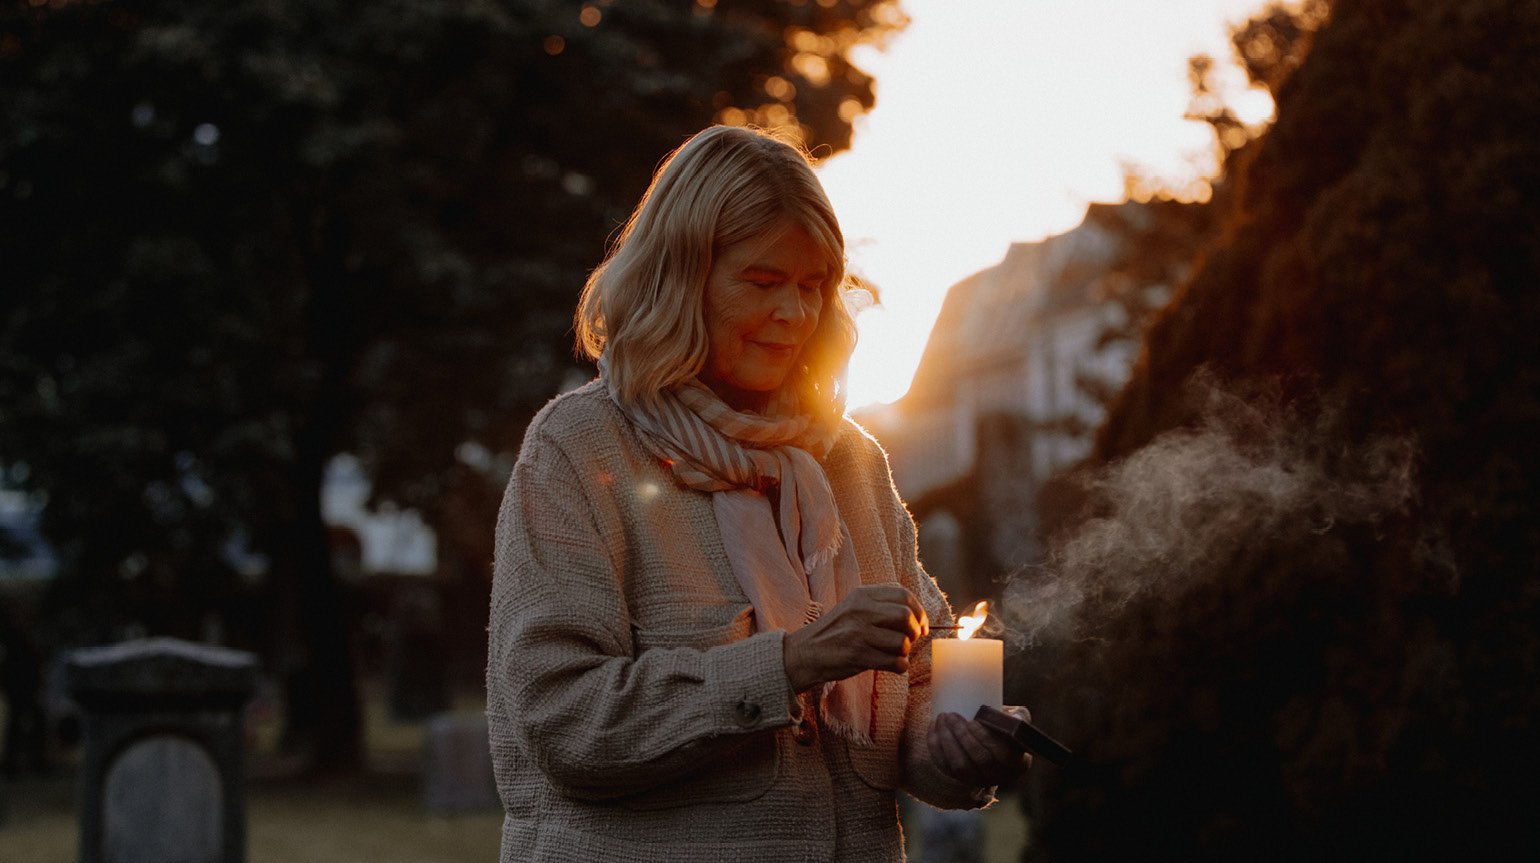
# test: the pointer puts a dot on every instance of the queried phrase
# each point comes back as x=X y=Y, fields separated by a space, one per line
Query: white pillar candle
x=965 y=673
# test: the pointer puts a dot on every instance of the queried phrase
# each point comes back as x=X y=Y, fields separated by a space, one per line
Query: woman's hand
x=970 y=753
x=874 y=626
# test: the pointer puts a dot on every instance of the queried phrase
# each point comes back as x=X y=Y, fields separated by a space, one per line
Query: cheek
x=741 y=319
x=814 y=313
x=726 y=333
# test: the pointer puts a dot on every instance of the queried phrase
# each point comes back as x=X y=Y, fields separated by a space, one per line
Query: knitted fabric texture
x=635 y=713
x=789 y=562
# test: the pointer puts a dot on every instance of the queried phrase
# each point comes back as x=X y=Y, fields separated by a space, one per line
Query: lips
x=774 y=347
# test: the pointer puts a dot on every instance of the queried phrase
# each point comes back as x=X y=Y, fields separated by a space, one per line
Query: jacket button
x=748 y=712
x=803 y=733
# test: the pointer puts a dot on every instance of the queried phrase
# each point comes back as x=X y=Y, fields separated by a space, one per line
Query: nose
x=790 y=307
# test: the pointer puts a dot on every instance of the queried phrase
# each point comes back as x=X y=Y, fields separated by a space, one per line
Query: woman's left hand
x=969 y=752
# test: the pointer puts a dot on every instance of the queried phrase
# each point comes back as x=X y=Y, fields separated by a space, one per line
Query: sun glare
x=999 y=122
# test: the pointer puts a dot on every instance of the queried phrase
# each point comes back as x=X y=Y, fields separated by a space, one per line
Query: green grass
x=375 y=817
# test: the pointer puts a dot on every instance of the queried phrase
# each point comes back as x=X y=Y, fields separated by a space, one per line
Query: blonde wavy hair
x=643 y=307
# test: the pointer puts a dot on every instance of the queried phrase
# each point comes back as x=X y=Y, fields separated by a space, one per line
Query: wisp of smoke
x=1179 y=510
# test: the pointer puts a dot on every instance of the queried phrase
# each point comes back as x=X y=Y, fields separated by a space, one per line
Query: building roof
x=988 y=317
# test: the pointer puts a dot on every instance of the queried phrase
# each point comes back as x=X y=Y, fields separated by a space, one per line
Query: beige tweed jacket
x=635 y=714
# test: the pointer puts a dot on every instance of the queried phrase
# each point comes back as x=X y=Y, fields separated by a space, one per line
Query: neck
x=740 y=400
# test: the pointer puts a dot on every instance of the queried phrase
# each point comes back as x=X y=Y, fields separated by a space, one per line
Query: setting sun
x=999 y=122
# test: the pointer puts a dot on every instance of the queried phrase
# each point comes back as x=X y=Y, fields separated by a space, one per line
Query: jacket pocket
x=733 y=771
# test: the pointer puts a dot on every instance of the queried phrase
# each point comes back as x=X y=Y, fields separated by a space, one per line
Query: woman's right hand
x=874 y=626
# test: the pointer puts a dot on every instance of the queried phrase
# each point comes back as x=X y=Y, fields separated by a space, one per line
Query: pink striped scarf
x=791 y=563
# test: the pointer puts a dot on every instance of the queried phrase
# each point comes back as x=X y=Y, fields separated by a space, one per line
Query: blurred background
x=1204 y=342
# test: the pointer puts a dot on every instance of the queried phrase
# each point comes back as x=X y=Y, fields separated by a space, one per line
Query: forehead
x=785 y=246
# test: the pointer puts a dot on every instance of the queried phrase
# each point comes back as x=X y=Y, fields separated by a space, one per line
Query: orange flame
x=970 y=623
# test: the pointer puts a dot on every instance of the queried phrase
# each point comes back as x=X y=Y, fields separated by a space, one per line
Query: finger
x=1019 y=712
x=918 y=610
x=897 y=616
x=898 y=619
x=858 y=656
x=969 y=767
x=985 y=747
x=979 y=754
x=914 y=623
x=1007 y=762
x=948 y=753
x=883 y=660
x=887 y=641
x=892 y=607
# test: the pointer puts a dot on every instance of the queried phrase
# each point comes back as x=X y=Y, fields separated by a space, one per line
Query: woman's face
x=763 y=297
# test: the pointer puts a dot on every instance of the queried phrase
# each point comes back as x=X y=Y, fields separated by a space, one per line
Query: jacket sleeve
x=564 y=678
x=919 y=775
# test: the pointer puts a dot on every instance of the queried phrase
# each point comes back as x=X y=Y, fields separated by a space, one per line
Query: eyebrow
x=821 y=275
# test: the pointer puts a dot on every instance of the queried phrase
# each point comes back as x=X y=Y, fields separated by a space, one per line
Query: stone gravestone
x=457 y=766
x=162 y=778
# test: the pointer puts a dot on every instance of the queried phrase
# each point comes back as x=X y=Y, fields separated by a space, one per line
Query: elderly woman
x=709 y=627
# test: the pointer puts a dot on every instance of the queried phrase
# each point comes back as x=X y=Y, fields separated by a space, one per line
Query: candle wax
x=965 y=674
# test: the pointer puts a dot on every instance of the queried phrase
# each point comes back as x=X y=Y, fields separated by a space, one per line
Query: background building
x=1008 y=393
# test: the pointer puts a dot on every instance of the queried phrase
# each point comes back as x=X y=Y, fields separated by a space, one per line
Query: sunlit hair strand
x=643 y=307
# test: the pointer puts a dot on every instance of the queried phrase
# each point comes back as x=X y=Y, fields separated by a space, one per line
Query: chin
x=768 y=384
x=765 y=381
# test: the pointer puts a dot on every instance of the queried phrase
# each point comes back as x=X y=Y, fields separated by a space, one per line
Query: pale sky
x=998 y=121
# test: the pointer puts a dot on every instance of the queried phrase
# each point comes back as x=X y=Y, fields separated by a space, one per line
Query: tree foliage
x=1170 y=230
x=242 y=237
x=1342 y=683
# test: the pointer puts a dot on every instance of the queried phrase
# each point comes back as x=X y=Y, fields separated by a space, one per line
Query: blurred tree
x=1347 y=691
x=1164 y=239
x=240 y=238
x=1171 y=229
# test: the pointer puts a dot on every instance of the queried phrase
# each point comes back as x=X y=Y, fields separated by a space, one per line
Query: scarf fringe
x=841 y=728
x=822 y=557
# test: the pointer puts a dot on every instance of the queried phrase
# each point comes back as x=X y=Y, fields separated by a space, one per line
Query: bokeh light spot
x=812 y=67
x=779 y=88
